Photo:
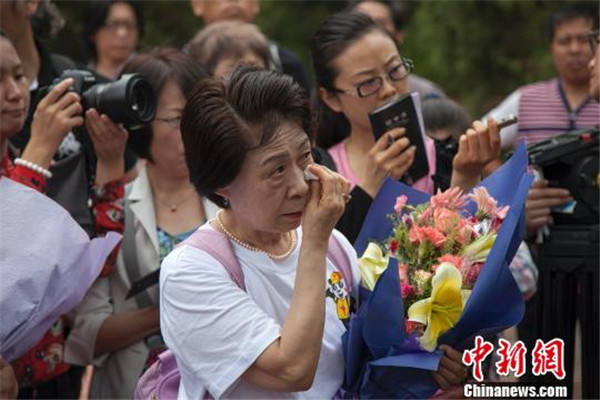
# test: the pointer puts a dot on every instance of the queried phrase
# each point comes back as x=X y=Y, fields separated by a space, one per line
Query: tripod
x=569 y=290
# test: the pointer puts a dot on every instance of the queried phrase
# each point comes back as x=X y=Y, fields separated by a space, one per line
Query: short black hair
x=95 y=15
x=573 y=11
x=334 y=36
x=157 y=67
x=442 y=113
x=225 y=119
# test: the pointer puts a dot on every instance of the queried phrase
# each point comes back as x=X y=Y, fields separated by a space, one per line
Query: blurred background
x=477 y=51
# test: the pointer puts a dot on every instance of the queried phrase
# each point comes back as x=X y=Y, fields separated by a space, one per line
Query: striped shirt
x=543 y=113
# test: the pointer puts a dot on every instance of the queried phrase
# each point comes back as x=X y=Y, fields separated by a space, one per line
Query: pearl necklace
x=276 y=257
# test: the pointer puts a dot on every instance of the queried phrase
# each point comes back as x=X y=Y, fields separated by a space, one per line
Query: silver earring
x=225 y=202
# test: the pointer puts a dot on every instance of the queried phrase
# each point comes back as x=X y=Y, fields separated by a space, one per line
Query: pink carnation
x=450 y=258
x=465 y=231
x=501 y=212
x=407 y=290
x=452 y=198
x=418 y=234
x=425 y=216
x=400 y=203
x=444 y=219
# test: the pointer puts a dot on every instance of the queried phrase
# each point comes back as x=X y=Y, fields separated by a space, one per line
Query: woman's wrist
x=314 y=243
x=46 y=174
x=38 y=154
x=109 y=171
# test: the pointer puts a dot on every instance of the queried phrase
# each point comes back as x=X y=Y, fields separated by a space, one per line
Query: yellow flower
x=371 y=265
x=479 y=249
x=443 y=309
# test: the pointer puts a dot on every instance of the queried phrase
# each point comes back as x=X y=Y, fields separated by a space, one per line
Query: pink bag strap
x=339 y=258
x=217 y=244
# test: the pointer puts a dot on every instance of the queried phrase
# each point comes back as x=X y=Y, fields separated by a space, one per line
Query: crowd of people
x=247 y=156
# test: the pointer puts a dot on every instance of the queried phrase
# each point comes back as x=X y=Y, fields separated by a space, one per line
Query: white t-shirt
x=217 y=331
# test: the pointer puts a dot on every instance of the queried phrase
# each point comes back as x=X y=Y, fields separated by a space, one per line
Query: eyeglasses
x=114 y=26
x=372 y=86
x=173 y=123
x=593 y=40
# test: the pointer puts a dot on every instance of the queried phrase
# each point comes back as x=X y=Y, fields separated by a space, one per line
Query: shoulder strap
x=218 y=246
x=129 y=250
x=337 y=255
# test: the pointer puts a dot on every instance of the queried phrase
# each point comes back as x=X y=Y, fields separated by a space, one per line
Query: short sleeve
x=214 y=328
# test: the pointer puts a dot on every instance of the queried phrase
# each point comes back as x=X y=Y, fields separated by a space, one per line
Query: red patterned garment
x=107 y=205
x=45 y=360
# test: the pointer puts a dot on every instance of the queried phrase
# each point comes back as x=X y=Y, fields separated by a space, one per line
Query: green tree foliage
x=477 y=51
x=480 y=51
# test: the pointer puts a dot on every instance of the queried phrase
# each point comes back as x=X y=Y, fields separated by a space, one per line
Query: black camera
x=129 y=101
x=570 y=161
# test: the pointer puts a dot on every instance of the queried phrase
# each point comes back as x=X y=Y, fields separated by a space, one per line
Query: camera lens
x=129 y=101
x=141 y=99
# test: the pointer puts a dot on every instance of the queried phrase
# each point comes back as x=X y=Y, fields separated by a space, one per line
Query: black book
x=404 y=112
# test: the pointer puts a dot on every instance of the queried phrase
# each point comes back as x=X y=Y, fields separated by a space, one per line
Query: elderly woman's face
x=270 y=192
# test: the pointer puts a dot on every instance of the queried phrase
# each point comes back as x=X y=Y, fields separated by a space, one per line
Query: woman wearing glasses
x=121 y=335
x=112 y=31
x=358 y=68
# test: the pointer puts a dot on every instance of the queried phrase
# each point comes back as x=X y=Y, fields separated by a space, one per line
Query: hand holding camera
x=540 y=200
x=109 y=140
x=129 y=102
x=56 y=115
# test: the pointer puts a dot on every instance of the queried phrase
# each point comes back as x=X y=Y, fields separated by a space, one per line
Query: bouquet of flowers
x=443 y=278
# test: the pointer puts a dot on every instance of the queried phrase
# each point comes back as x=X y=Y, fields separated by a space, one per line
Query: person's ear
x=331 y=100
x=197 y=7
x=31 y=7
x=224 y=192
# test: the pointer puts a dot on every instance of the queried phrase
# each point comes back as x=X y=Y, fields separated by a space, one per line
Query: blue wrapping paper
x=381 y=362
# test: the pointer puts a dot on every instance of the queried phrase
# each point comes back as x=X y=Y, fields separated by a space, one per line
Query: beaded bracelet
x=34 y=167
